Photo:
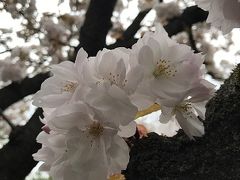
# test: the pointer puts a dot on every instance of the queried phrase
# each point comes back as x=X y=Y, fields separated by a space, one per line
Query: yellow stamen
x=152 y=108
x=184 y=107
x=95 y=129
x=164 y=69
x=69 y=86
x=117 y=177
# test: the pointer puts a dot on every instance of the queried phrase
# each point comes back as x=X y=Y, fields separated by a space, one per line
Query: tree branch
x=190 y=16
x=191 y=39
x=16 y=156
x=18 y=90
x=96 y=26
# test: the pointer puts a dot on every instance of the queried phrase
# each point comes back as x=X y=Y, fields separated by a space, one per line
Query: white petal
x=107 y=63
x=146 y=58
x=190 y=124
x=134 y=77
x=128 y=130
x=166 y=115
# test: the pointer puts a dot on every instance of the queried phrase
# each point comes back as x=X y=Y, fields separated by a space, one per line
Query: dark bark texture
x=214 y=156
x=96 y=26
x=18 y=90
x=16 y=156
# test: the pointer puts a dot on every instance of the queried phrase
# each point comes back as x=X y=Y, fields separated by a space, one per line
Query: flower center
x=95 y=129
x=69 y=86
x=163 y=68
x=114 y=79
x=184 y=107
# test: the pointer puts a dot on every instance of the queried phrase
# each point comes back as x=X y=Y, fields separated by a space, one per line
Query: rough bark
x=214 y=156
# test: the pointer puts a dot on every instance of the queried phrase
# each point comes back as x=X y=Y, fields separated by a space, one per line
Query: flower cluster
x=146 y=4
x=90 y=105
x=11 y=72
x=167 y=11
x=223 y=14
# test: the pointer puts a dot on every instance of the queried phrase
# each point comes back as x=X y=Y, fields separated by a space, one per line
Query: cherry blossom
x=190 y=111
x=169 y=68
x=60 y=88
x=223 y=14
x=82 y=144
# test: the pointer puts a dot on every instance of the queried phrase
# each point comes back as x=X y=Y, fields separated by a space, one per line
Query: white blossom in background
x=167 y=11
x=72 y=20
x=146 y=4
x=11 y=72
x=21 y=53
x=79 y=5
x=55 y=33
x=223 y=14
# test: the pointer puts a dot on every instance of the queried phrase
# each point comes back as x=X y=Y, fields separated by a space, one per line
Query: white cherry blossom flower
x=82 y=144
x=223 y=14
x=188 y=111
x=112 y=81
x=169 y=68
x=112 y=68
x=60 y=88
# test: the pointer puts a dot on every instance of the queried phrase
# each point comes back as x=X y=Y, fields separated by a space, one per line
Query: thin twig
x=191 y=39
x=5 y=51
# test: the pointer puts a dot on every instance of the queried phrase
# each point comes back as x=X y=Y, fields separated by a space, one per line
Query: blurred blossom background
x=34 y=36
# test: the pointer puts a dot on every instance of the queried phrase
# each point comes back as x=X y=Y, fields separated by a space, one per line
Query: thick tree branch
x=130 y=32
x=96 y=26
x=16 y=156
x=127 y=39
x=190 y=16
x=18 y=90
